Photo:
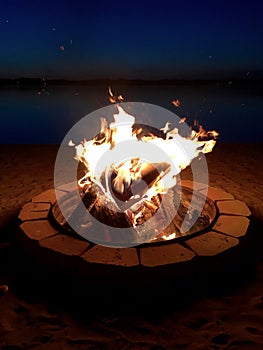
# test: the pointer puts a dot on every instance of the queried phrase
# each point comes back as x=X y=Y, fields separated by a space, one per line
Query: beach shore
x=222 y=317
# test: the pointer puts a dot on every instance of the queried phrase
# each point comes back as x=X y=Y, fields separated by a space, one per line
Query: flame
x=148 y=179
x=182 y=120
x=169 y=237
x=176 y=103
x=114 y=99
x=110 y=91
x=71 y=143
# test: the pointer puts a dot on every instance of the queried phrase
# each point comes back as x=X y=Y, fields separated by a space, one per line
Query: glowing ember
x=176 y=103
x=182 y=120
x=136 y=183
x=169 y=237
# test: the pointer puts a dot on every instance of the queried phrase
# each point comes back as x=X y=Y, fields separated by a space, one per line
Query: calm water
x=235 y=111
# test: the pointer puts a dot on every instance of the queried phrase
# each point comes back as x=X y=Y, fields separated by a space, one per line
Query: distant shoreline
x=41 y=81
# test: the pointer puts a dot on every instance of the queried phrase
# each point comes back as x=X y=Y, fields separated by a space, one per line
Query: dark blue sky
x=135 y=39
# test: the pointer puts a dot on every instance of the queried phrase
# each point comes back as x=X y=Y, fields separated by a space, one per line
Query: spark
x=43 y=91
x=182 y=120
x=176 y=103
x=110 y=91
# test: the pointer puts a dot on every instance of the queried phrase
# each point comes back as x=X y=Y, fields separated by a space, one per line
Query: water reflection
x=28 y=116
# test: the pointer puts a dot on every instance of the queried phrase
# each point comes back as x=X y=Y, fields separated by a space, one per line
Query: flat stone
x=112 y=256
x=33 y=207
x=193 y=184
x=166 y=254
x=217 y=194
x=48 y=196
x=211 y=243
x=33 y=211
x=38 y=229
x=234 y=207
x=65 y=244
x=29 y=215
x=232 y=225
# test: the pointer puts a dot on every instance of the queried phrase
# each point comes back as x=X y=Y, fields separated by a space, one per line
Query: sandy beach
x=224 y=313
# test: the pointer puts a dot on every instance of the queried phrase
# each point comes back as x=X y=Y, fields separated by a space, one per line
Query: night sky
x=136 y=39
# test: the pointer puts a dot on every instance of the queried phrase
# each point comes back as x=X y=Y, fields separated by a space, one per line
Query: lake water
x=234 y=110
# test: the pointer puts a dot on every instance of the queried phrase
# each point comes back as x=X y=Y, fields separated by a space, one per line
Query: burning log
x=148 y=175
x=109 y=214
x=93 y=201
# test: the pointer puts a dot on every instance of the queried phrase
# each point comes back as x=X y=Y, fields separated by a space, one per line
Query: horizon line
x=125 y=80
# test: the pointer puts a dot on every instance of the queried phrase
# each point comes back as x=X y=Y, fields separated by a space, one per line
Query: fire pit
x=226 y=230
x=129 y=208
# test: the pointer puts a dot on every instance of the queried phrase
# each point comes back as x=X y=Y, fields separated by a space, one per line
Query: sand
x=225 y=312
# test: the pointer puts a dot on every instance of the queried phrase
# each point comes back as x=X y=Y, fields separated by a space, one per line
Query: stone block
x=65 y=244
x=232 y=225
x=112 y=256
x=234 y=207
x=169 y=253
x=217 y=194
x=211 y=243
x=48 y=196
x=33 y=211
x=38 y=229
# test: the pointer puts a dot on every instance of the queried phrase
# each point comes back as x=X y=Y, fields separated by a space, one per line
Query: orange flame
x=176 y=103
x=113 y=98
x=182 y=120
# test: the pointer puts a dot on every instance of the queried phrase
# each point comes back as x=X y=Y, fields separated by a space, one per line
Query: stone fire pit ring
x=38 y=234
